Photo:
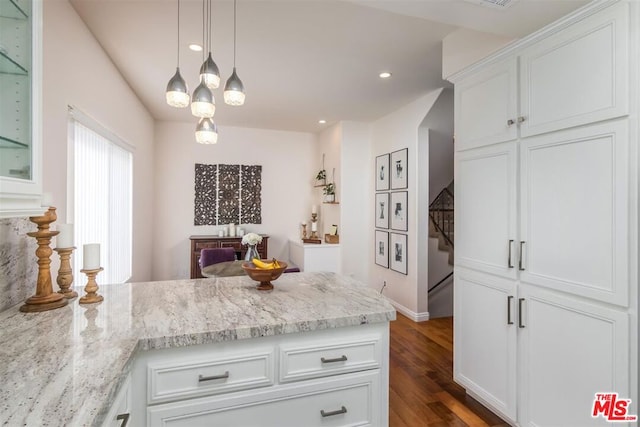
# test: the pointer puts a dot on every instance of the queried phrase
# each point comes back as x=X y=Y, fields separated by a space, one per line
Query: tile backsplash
x=18 y=261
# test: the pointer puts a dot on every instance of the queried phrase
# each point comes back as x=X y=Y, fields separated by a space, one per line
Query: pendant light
x=203 y=103
x=206 y=132
x=209 y=72
x=234 y=89
x=177 y=94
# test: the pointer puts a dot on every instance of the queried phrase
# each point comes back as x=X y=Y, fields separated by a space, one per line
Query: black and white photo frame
x=399 y=169
x=398 y=252
x=398 y=210
x=382 y=248
x=382 y=172
x=382 y=210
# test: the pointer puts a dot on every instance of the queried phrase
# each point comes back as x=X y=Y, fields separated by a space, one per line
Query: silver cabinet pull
x=509 y=321
x=510 y=122
x=124 y=418
x=342 y=358
x=324 y=414
x=202 y=378
x=509 y=264
x=520 y=267
x=520 y=324
x=521 y=119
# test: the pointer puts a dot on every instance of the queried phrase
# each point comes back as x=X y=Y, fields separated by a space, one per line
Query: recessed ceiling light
x=322 y=121
x=195 y=47
x=384 y=75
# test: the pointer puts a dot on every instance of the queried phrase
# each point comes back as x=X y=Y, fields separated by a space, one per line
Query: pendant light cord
x=209 y=27
x=234 y=33
x=178 y=59
x=204 y=45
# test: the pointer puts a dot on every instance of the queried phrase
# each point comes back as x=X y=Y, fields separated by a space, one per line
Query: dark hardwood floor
x=421 y=387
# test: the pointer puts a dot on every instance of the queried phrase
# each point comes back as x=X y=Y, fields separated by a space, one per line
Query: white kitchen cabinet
x=485 y=339
x=575 y=211
x=336 y=377
x=486 y=208
x=564 y=192
x=577 y=76
x=20 y=108
x=569 y=349
x=486 y=106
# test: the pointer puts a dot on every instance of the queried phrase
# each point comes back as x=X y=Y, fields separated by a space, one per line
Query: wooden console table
x=200 y=242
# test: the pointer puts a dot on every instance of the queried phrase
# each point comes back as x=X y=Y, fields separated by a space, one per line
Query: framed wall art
x=382 y=172
x=399 y=169
x=382 y=210
x=398 y=213
x=382 y=248
x=398 y=252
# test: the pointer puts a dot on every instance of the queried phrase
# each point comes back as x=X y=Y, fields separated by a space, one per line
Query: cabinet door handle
x=520 y=324
x=520 y=267
x=509 y=321
x=510 y=122
x=509 y=264
x=202 y=378
x=324 y=414
x=342 y=358
x=521 y=119
x=124 y=418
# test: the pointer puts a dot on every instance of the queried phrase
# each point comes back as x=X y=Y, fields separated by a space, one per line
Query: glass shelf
x=13 y=9
x=11 y=143
x=9 y=66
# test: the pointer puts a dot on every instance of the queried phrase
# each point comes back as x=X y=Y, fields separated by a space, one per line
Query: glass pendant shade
x=177 y=91
x=234 y=90
x=206 y=132
x=210 y=74
x=202 y=102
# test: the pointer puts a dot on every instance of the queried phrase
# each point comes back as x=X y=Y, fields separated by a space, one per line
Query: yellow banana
x=262 y=265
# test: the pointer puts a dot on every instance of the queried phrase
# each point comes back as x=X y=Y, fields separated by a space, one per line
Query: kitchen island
x=67 y=366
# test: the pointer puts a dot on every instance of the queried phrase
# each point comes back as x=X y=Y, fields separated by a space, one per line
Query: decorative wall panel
x=227 y=194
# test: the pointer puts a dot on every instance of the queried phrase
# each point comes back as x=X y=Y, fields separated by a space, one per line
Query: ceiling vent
x=495 y=4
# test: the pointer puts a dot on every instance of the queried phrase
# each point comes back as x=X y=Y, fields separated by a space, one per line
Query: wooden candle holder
x=92 y=287
x=44 y=299
x=65 y=273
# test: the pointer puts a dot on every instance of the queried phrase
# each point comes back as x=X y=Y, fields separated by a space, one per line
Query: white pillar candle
x=65 y=238
x=220 y=233
x=232 y=230
x=91 y=256
x=314 y=209
x=314 y=226
x=47 y=200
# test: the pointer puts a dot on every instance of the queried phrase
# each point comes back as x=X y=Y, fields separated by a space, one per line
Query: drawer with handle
x=347 y=400
x=195 y=378
x=321 y=359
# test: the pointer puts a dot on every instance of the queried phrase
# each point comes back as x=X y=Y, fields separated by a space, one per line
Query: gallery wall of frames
x=391 y=222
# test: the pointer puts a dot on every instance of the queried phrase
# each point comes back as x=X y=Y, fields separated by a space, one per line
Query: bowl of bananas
x=264 y=271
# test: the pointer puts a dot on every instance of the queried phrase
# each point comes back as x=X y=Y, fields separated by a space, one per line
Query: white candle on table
x=91 y=256
x=65 y=238
x=314 y=226
x=314 y=209
x=47 y=200
x=232 y=230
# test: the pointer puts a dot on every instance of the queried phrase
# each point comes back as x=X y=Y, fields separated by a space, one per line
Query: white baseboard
x=416 y=317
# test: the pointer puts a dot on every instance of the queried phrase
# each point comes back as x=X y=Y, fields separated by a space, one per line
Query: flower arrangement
x=251 y=239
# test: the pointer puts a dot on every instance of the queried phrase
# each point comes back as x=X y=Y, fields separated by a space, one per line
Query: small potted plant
x=321 y=177
x=329 y=191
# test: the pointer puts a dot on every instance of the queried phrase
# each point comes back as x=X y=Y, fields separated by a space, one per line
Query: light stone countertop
x=64 y=367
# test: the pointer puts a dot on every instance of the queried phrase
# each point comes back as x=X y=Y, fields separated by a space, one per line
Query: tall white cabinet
x=546 y=173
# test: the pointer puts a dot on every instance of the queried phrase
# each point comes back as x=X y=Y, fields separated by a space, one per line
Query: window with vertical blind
x=100 y=196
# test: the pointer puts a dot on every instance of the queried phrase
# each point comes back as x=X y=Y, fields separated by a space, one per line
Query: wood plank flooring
x=421 y=387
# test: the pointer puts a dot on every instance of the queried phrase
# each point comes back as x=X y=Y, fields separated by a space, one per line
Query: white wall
x=463 y=47
x=77 y=72
x=289 y=164
x=394 y=132
x=356 y=200
x=439 y=121
x=329 y=144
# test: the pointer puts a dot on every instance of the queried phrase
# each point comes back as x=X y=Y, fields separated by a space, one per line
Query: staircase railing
x=441 y=214
x=444 y=279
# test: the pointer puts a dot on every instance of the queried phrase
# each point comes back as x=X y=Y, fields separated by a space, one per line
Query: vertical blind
x=102 y=200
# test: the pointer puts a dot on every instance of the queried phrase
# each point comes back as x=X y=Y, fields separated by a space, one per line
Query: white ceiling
x=300 y=60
